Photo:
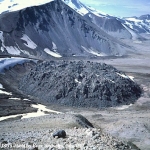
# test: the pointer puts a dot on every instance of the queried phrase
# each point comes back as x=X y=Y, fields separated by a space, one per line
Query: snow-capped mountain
x=139 y=24
x=53 y=29
x=83 y=9
x=60 y=28
x=117 y=27
x=107 y=23
x=113 y=26
x=14 y=5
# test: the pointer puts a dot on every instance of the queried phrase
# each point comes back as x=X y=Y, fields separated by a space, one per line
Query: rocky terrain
x=80 y=84
x=116 y=121
x=11 y=100
x=102 y=102
x=37 y=134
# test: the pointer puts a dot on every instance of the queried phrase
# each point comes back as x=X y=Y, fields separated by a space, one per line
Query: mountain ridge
x=138 y=24
x=60 y=31
x=59 y=28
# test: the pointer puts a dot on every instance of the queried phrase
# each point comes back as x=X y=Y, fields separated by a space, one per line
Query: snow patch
x=131 y=77
x=54 y=54
x=122 y=75
x=2 y=39
x=11 y=62
x=1 y=35
x=93 y=51
x=40 y=112
x=13 y=5
x=34 y=114
x=129 y=24
x=15 y=99
x=30 y=43
x=5 y=93
x=12 y=50
x=54 y=46
x=80 y=9
x=127 y=77
x=111 y=80
x=83 y=11
x=1 y=86
x=26 y=100
x=76 y=80
x=137 y=24
x=123 y=107
x=43 y=108
x=134 y=19
x=8 y=117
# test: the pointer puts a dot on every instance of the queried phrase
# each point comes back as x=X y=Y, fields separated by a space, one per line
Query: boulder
x=59 y=134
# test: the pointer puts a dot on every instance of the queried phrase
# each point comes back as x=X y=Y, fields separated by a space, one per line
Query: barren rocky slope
x=53 y=29
x=81 y=84
x=36 y=134
x=26 y=131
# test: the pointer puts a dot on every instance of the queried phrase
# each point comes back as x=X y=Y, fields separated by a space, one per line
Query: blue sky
x=121 y=8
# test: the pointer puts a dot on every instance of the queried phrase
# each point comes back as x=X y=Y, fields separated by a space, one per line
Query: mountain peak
x=54 y=29
x=144 y=17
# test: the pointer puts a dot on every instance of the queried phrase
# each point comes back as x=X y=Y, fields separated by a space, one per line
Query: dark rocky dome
x=81 y=84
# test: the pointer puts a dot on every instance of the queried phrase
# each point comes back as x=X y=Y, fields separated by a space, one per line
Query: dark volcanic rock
x=60 y=134
x=80 y=84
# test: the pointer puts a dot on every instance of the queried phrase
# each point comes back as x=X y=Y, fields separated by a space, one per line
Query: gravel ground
x=42 y=139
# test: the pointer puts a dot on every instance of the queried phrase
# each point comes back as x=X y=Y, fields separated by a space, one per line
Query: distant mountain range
x=65 y=28
x=139 y=24
x=117 y=27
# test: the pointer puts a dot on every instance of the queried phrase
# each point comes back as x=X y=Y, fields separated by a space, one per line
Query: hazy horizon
x=119 y=8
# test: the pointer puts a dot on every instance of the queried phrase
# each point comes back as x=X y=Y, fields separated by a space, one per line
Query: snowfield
x=93 y=51
x=10 y=49
x=30 y=43
x=14 y=5
x=40 y=112
x=134 y=19
x=6 y=63
x=5 y=93
x=54 y=54
x=1 y=86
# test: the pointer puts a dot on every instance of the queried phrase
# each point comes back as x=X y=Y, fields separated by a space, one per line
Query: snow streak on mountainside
x=82 y=9
x=68 y=25
x=103 y=21
x=109 y=24
x=53 y=29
